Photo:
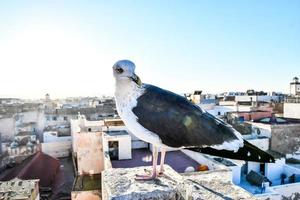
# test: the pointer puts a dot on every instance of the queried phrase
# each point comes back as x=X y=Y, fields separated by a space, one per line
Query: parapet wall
x=285 y=138
x=120 y=184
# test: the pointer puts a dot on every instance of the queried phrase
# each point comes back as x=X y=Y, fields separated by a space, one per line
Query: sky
x=68 y=48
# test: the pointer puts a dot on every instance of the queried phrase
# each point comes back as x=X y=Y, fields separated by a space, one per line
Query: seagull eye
x=119 y=70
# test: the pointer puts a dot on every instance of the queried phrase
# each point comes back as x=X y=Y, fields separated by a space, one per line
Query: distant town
x=72 y=148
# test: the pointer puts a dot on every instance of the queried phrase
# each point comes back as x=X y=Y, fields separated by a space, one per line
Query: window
x=113 y=149
x=65 y=118
x=54 y=118
x=262 y=168
x=258 y=131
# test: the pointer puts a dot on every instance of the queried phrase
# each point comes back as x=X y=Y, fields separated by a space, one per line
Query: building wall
x=289 y=171
x=7 y=128
x=84 y=195
x=236 y=174
x=36 y=116
x=125 y=148
x=201 y=159
x=295 y=89
x=254 y=166
x=124 y=145
x=49 y=137
x=58 y=120
x=280 y=192
x=291 y=110
x=254 y=115
x=0 y=145
x=289 y=191
x=274 y=170
x=57 y=149
x=264 y=129
x=222 y=109
x=254 y=98
x=138 y=144
x=285 y=138
x=262 y=143
x=89 y=152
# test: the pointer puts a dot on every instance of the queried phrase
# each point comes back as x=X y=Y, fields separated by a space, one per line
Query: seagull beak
x=136 y=79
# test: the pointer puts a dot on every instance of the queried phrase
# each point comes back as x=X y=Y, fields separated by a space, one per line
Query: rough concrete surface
x=214 y=185
x=119 y=184
x=285 y=138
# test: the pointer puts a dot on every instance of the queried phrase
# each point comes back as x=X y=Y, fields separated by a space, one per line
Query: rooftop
x=18 y=189
x=277 y=120
x=225 y=162
x=275 y=154
x=293 y=162
x=34 y=167
x=87 y=182
x=116 y=133
x=143 y=157
x=215 y=185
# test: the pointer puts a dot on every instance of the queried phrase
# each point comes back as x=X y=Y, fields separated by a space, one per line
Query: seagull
x=165 y=119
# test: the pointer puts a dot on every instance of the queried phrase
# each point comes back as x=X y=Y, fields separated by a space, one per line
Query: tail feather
x=248 y=152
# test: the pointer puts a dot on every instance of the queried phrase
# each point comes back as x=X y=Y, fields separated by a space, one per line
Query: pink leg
x=154 y=165
x=162 y=160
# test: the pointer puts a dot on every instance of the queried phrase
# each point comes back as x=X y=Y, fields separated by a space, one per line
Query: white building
x=118 y=144
x=291 y=107
x=258 y=98
x=295 y=86
x=10 y=101
x=55 y=145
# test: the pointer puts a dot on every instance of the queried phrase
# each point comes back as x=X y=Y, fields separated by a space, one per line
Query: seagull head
x=124 y=70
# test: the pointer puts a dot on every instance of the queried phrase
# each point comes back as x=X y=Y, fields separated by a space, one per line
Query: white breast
x=126 y=95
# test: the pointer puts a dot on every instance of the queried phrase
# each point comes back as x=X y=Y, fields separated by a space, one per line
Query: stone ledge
x=215 y=185
x=119 y=184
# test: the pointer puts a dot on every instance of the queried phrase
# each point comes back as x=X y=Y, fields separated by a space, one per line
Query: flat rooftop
x=18 y=189
x=143 y=157
x=224 y=161
x=87 y=182
x=116 y=133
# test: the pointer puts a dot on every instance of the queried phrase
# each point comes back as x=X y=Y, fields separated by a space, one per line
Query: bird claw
x=148 y=176
x=145 y=177
x=160 y=174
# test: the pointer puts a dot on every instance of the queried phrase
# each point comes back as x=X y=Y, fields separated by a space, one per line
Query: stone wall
x=282 y=192
x=89 y=151
x=285 y=138
x=291 y=110
x=7 y=129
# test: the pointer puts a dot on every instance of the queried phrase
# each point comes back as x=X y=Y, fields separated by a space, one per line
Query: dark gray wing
x=179 y=122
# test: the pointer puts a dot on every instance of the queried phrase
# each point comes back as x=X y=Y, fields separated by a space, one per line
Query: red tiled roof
x=39 y=166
